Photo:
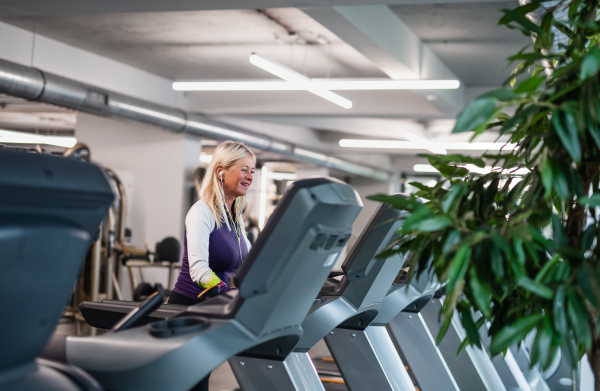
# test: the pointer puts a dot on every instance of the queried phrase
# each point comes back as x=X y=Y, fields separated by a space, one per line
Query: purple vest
x=223 y=259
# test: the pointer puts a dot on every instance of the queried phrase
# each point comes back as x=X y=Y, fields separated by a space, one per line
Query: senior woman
x=215 y=240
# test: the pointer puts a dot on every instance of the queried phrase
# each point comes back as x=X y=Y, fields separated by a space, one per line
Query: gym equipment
x=50 y=210
x=277 y=284
x=367 y=355
x=472 y=370
x=342 y=313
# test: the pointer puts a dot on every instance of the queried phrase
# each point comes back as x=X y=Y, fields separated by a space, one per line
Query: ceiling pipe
x=36 y=85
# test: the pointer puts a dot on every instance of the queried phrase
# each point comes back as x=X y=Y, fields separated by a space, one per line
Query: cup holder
x=177 y=326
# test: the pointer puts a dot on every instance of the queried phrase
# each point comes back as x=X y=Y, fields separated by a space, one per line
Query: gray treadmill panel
x=50 y=209
x=418 y=352
x=464 y=372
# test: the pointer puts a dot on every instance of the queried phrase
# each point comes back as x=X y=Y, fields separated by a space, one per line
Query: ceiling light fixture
x=473 y=168
x=295 y=77
x=283 y=176
x=10 y=137
x=448 y=145
x=428 y=145
x=327 y=84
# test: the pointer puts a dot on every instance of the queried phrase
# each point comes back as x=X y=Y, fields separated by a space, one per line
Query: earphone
x=221 y=173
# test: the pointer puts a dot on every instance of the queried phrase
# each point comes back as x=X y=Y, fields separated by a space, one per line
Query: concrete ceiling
x=466 y=37
x=205 y=44
x=210 y=40
x=84 y=7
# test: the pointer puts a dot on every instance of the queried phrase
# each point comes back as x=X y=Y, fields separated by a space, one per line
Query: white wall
x=158 y=163
x=35 y=50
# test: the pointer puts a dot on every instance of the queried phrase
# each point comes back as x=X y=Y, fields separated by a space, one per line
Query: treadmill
x=473 y=369
x=277 y=282
x=342 y=313
x=51 y=208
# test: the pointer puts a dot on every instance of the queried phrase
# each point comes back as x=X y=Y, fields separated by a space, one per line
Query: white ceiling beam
x=381 y=36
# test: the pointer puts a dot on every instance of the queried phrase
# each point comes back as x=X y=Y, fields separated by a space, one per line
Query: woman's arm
x=199 y=223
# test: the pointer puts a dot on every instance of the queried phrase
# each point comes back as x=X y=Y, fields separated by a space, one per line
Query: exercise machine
x=342 y=314
x=277 y=282
x=50 y=211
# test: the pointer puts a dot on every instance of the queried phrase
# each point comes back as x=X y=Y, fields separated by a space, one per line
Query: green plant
x=523 y=251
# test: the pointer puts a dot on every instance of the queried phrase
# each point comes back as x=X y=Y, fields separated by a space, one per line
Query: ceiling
x=466 y=37
x=85 y=7
x=206 y=44
x=210 y=40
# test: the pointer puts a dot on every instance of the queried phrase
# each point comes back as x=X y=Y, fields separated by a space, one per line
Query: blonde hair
x=226 y=154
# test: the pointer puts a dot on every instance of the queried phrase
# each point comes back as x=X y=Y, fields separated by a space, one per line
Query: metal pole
x=95 y=275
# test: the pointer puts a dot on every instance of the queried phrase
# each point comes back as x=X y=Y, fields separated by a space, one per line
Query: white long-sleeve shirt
x=199 y=223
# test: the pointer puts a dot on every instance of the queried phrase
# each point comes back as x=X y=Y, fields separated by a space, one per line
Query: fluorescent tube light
x=449 y=145
x=425 y=168
x=206 y=159
x=295 y=77
x=472 y=168
x=410 y=136
x=327 y=84
x=10 y=137
x=283 y=176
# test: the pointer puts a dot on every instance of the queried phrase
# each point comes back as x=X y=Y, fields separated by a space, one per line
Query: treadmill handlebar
x=137 y=314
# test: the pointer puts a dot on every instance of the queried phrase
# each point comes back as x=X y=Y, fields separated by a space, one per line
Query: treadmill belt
x=329 y=374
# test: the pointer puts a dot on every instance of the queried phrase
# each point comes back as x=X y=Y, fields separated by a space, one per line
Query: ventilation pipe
x=36 y=85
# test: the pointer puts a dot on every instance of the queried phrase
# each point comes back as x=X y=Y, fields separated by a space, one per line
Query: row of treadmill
x=379 y=329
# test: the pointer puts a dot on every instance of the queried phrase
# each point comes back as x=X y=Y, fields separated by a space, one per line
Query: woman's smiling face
x=238 y=178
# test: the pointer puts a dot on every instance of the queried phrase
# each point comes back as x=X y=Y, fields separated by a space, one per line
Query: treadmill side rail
x=295 y=373
x=368 y=360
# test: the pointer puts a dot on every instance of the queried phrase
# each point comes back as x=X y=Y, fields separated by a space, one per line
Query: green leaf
x=443 y=330
x=397 y=201
x=481 y=294
x=421 y=186
x=569 y=351
x=535 y=287
x=561 y=182
x=578 y=318
x=559 y=313
x=434 y=224
x=588 y=283
x=588 y=238
x=502 y=94
x=543 y=274
x=463 y=345
x=469 y=325
x=415 y=218
x=519 y=252
x=566 y=129
x=478 y=112
x=530 y=84
x=497 y=263
x=590 y=64
x=592 y=201
x=513 y=333
x=547 y=177
x=542 y=344
x=558 y=232
x=526 y=24
x=457 y=190
x=459 y=266
x=452 y=239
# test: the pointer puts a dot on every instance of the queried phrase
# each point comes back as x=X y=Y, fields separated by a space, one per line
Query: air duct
x=36 y=85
